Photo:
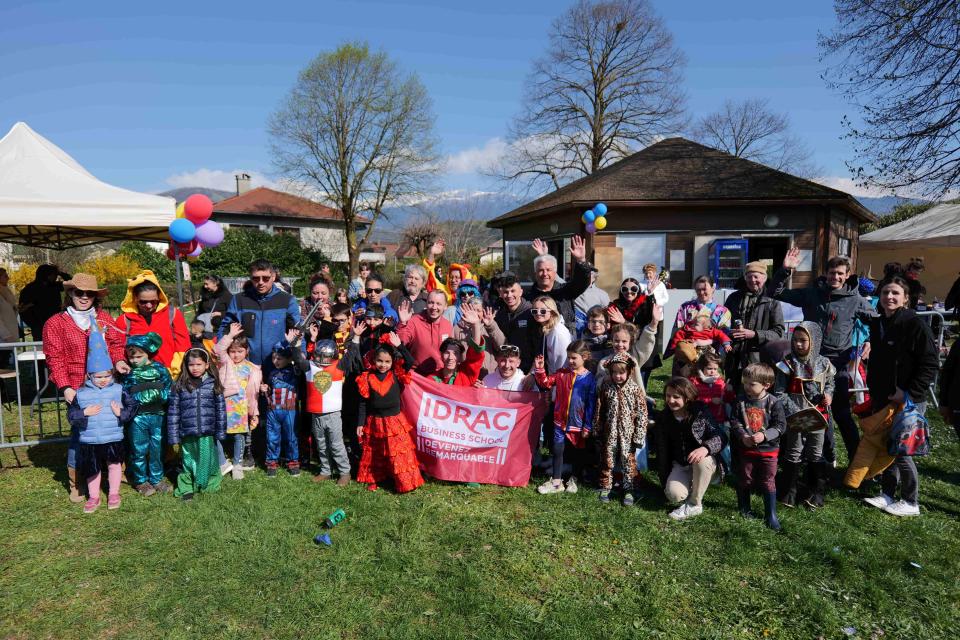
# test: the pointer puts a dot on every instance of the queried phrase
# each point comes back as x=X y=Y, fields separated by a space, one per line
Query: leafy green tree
x=148 y=258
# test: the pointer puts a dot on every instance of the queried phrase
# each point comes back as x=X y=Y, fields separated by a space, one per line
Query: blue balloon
x=600 y=209
x=182 y=230
x=589 y=216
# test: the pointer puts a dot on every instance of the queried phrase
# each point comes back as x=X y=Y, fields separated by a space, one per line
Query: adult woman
x=42 y=298
x=146 y=308
x=635 y=305
x=703 y=305
x=65 y=347
x=355 y=291
x=549 y=333
x=319 y=291
x=903 y=362
x=214 y=300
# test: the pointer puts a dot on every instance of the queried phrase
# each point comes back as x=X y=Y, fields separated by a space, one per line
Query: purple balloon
x=210 y=233
x=195 y=252
x=591 y=228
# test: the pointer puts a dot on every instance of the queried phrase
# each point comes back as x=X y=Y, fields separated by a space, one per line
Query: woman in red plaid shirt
x=65 y=347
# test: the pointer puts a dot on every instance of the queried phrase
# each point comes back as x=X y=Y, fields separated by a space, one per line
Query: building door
x=770 y=249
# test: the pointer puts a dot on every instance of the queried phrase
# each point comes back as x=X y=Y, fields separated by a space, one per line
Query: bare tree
x=358 y=133
x=898 y=63
x=751 y=130
x=460 y=222
x=608 y=84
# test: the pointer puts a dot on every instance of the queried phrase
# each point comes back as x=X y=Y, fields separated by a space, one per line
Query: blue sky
x=153 y=95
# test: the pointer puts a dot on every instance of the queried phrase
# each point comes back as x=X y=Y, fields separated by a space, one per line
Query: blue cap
x=98 y=358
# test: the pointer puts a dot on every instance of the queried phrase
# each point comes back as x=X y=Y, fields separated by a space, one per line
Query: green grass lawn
x=450 y=562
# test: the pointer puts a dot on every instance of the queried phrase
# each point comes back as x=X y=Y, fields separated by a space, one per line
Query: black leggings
x=574 y=456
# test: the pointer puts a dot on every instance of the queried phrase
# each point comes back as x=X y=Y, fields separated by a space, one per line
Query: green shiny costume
x=201 y=470
x=149 y=384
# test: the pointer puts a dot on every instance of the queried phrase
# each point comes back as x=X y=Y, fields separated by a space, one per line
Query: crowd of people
x=260 y=377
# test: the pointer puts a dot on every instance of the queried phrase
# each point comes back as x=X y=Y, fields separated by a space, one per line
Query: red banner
x=466 y=434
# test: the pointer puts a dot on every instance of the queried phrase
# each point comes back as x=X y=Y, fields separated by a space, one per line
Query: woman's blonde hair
x=554 y=318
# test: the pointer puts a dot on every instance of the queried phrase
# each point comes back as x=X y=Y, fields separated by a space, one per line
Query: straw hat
x=84 y=282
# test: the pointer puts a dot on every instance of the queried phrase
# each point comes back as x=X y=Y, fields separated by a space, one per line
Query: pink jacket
x=423 y=339
x=229 y=380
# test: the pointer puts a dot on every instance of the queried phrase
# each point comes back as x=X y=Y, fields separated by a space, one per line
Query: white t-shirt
x=494 y=380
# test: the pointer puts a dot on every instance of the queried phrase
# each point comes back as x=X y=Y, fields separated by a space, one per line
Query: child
x=197 y=337
x=241 y=381
x=702 y=333
x=595 y=335
x=98 y=412
x=576 y=398
x=758 y=422
x=326 y=373
x=637 y=343
x=196 y=416
x=950 y=388
x=712 y=389
x=280 y=387
x=621 y=423
x=340 y=317
x=805 y=379
x=687 y=444
x=507 y=376
x=149 y=384
x=462 y=368
x=389 y=452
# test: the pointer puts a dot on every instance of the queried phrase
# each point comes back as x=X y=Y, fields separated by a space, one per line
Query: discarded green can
x=334 y=519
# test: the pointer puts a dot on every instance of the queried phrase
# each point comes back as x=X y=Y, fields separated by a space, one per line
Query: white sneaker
x=902 y=508
x=550 y=487
x=881 y=501
x=685 y=511
x=225 y=468
x=237 y=472
x=572 y=485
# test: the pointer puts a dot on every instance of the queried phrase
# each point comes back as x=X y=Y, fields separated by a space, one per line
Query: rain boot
x=788 y=484
x=816 y=483
x=75 y=495
x=743 y=502
x=770 y=510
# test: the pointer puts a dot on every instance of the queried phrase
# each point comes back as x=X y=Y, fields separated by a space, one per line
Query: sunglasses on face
x=540 y=312
x=508 y=350
x=260 y=278
x=372 y=290
x=630 y=289
x=148 y=302
x=80 y=293
x=467 y=294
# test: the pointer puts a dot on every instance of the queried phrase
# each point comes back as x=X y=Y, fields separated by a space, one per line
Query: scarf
x=83 y=319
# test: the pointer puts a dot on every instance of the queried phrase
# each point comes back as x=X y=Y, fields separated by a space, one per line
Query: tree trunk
x=353 y=251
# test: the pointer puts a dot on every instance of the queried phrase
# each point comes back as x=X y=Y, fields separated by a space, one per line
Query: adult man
x=264 y=309
x=545 y=277
x=834 y=303
x=146 y=308
x=512 y=319
x=414 y=279
x=424 y=332
x=757 y=320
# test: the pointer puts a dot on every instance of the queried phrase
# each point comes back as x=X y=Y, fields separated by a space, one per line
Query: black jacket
x=200 y=412
x=766 y=318
x=949 y=395
x=565 y=294
x=700 y=425
x=902 y=354
x=211 y=301
x=515 y=327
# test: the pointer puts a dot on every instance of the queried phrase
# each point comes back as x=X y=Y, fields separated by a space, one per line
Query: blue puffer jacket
x=104 y=427
x=265 y=319
x=201 y=412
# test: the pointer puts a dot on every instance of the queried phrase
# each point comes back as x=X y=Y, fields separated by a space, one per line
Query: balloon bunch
x=192 y=229
x=595 y=218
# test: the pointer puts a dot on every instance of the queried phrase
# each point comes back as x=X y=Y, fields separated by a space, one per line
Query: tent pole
x=179 y=282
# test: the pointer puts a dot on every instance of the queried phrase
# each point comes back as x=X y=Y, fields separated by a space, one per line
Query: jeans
x=902 y=472
x=239 y=440
x=282 y=429
x=72 y=447
x=689 y=482
x=328 y=434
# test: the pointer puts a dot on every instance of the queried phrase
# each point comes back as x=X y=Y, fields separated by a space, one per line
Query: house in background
x=492 y=252
x=692 y=209
x=316 y=226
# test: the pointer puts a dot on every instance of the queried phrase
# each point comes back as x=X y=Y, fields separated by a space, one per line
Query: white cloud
x=849 y=185
x=217 y=179
x=474 y=159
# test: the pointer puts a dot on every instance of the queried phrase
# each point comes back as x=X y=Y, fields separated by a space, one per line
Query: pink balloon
x=195 y=252
x=210 y=233
x=198 y=208
x=591 y=228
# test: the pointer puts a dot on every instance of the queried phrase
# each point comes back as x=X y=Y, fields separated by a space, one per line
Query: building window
x=844 y=247
x=288 y=231
x=519 y=256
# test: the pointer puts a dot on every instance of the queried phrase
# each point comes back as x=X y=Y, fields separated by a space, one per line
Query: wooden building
x=669 y=202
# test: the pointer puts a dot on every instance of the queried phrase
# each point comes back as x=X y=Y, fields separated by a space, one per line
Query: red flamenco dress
x=389 y=451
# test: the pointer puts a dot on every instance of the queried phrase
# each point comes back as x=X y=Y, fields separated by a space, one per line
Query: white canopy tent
x=933 y=235
x=48 y=200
